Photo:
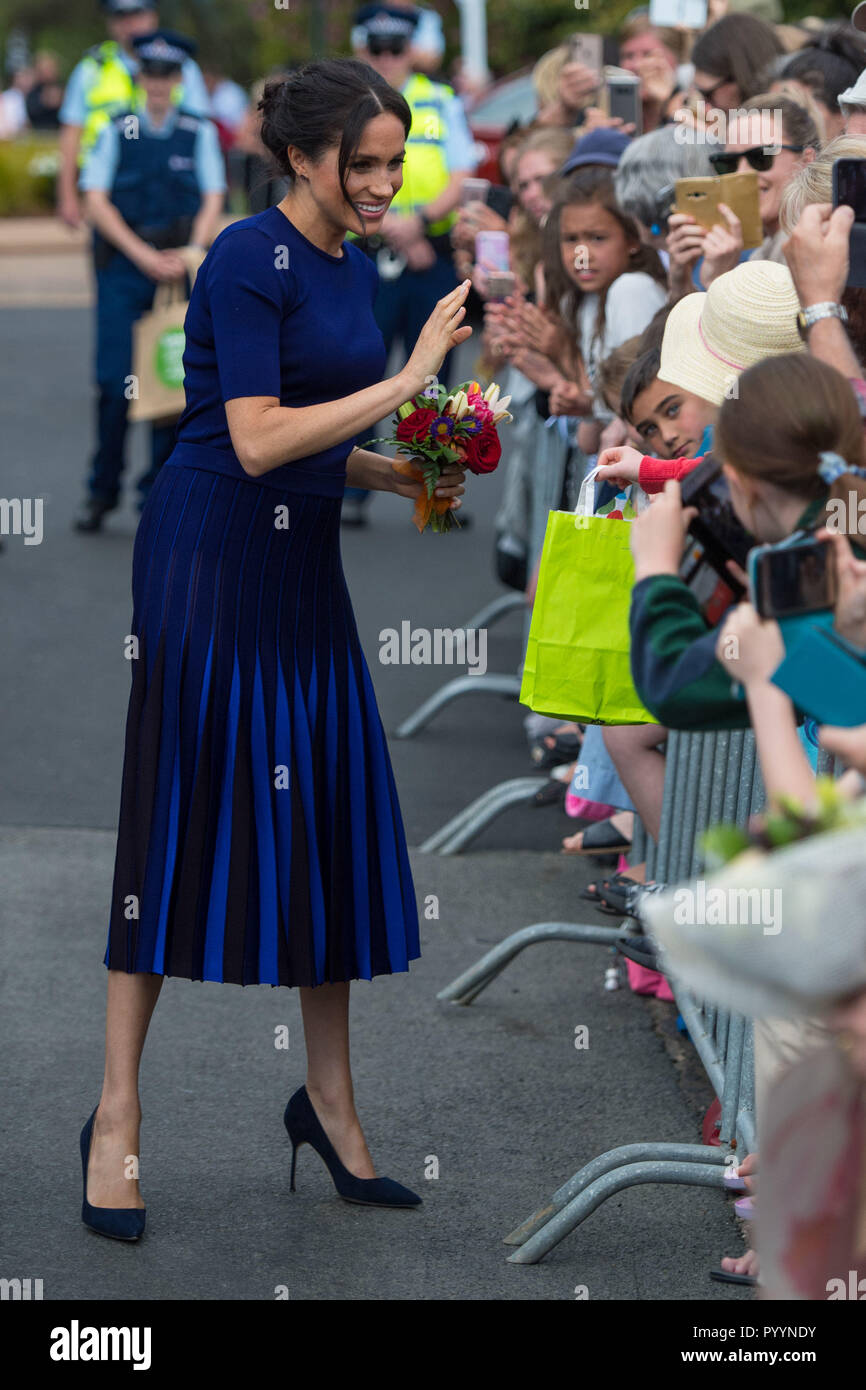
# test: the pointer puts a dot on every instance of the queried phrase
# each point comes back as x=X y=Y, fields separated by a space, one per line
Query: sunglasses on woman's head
x=708 y=94
x=760 y=158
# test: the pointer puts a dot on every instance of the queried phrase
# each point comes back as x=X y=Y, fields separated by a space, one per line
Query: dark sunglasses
x=394 y=46
x=760 y=158
x=709 y=94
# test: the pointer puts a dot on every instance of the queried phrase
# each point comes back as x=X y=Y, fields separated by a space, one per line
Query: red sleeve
x=654 y=473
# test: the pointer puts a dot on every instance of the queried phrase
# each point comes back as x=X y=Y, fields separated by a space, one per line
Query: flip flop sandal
x=551 y=794
x=565 y=750
x=602 y=841
x=723 y=1276
x=639 y=949
x=593 y=894
x=624 y=899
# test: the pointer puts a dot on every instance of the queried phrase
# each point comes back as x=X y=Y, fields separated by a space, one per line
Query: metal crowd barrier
x=709 y=777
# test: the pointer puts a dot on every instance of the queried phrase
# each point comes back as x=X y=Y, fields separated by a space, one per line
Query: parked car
x=511 y=99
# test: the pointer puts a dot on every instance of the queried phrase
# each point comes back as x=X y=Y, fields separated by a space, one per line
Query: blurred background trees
x=247 y=38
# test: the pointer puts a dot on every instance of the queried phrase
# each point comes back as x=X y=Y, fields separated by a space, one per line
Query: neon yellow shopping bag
x=577 y=657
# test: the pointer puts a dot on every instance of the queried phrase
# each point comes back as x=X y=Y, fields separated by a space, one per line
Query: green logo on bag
x=168 y=357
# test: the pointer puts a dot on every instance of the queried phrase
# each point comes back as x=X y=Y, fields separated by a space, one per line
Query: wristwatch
x=425 y=221
x=810 y=315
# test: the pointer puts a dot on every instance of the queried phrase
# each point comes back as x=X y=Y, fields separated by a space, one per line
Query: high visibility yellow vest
x=109 y=89
x=425 y=172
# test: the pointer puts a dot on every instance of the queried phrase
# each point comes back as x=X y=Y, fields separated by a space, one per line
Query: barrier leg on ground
x=693 y=1174
x=470 y=984
x=463 y=828
x=606 y=1163
x=486 y=684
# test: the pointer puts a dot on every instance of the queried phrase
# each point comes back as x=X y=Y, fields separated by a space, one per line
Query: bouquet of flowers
x=437 y=428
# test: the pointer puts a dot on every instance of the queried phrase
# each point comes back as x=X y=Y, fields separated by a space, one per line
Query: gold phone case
x=701 y=198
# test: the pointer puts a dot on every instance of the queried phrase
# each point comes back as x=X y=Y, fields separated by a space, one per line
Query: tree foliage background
x=247 y=38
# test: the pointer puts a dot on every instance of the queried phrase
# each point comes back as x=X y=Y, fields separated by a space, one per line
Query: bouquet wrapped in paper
x=439 y=427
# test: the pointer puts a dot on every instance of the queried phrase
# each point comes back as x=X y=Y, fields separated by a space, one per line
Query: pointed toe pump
x=304 y=1127
x=120 y=1223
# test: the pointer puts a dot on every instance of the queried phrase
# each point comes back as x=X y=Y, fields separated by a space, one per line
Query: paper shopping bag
x=577 y=656
x=157 y=352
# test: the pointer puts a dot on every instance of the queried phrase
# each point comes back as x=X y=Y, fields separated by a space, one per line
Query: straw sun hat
x=746 y=315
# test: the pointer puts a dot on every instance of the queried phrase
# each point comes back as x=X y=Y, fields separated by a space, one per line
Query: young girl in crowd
x=600 y=278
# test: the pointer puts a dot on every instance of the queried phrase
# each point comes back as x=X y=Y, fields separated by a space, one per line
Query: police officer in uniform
x=413 y=250
x=103 y=84
x=154 y=182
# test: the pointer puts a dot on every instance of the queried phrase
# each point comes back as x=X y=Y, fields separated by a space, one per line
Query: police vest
x=156 y=183
x=109 y=88
x=426 y=172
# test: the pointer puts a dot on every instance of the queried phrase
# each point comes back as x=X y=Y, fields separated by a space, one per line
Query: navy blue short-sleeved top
x=271 y=314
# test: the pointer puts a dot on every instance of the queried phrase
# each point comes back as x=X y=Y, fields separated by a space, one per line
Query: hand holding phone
x=622 y=99
x=817 y=253
x=788 y=581
x=474 y=191
x=701 y=199
x=849 y=190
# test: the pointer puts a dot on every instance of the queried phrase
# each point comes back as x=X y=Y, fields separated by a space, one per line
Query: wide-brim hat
x=790 y=938
x=746 y=315
x=853 y=96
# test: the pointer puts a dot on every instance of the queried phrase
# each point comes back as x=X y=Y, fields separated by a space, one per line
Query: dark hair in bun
x=326 y=103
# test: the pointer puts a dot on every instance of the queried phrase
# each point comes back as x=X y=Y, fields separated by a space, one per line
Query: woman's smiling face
x=374 y=174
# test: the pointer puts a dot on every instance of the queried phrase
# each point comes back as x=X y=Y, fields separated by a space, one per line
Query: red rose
x=486 y=451
x=417 y=423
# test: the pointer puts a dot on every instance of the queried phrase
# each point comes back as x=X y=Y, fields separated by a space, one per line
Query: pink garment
x=588 y=810
x=644 y=981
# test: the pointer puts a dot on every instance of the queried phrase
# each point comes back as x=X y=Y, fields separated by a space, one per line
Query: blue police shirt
x=101 y=165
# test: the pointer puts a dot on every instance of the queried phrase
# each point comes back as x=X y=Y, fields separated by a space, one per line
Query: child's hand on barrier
x=620 y=465
x=751 y=648
x=658 y=536
x=847 y=744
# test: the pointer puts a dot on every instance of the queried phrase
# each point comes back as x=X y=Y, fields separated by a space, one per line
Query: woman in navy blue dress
x=260 y=837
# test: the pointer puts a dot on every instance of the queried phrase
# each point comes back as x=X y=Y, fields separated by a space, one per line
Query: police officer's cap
x=121 y=7
x=385 y=22
x=163 y=50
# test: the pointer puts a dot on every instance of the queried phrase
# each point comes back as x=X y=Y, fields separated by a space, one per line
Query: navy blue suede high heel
x=121 y=1223
x=304 y=1127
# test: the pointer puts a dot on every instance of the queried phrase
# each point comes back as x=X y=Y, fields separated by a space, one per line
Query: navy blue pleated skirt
x=260 y=838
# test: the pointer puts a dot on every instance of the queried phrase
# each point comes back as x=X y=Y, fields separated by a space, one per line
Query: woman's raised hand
x=440 y=334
